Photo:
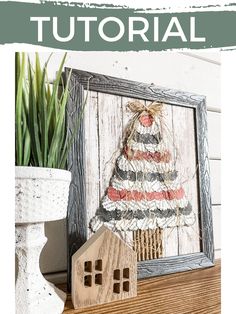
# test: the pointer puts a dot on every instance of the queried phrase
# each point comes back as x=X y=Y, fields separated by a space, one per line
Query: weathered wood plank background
x=106 y=117
x=186 y=163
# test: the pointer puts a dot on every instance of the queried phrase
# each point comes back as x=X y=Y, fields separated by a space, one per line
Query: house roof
x=95 y=237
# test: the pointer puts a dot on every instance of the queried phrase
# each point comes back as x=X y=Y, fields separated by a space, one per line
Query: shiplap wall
x=197 y=72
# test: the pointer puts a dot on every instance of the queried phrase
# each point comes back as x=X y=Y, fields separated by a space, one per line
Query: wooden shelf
x=193 y=292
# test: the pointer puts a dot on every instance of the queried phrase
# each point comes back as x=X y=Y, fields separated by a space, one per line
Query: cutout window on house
x=116 y=274
x=126 y=273
x=116 y=287
x=88 y=281
x=98 y=265
x=88 y=266
x=98 y=279
x=126 y=286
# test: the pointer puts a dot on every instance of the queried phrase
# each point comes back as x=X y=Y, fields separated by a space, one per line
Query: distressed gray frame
x=76 y=220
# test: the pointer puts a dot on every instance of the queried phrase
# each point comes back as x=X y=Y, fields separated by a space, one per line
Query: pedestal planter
x=41 y=195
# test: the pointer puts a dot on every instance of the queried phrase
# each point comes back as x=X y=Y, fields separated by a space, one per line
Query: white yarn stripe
x=144 y=186
x=144 y=165
x=161 y=147
x=143 y=205
x=153 y=129
x=144 y=224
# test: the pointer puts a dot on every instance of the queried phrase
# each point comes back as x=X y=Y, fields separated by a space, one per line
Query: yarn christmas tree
x=145 y=192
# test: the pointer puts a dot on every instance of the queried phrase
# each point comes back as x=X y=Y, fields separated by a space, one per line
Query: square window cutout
x=126 y=273
x=116 y=274
x=98 y=279
x=88 y=266
x=116 y=288
x=126 y=286
x=98 y=264
x=88 y=281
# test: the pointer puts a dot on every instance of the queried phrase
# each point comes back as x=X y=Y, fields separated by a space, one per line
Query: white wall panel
x=213 y=57
x=166 y=69
x=214 y=134
x=217 y=226
x=215 y=173
x=217 y=254
x=53 y=257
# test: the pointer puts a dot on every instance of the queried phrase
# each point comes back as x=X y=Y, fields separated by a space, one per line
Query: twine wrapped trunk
x=145 y=195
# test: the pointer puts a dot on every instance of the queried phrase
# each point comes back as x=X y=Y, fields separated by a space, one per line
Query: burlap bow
x=155 y=108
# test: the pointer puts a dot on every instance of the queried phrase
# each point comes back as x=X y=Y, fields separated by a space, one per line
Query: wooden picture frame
x=77 y=211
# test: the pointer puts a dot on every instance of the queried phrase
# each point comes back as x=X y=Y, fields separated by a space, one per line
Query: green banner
x=77 y=27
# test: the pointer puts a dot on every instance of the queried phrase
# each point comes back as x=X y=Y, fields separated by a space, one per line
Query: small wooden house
x=104 y=269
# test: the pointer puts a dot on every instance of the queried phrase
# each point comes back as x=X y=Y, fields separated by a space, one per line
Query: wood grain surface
x=185 y=142
x=117 y=86
x=194 y=292
x=114 y=278
x=76 y=233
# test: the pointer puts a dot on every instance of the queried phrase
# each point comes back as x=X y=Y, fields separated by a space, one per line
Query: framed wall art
x=140 y=167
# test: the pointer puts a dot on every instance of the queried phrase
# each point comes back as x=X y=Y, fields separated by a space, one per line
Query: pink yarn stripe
x=126 y=195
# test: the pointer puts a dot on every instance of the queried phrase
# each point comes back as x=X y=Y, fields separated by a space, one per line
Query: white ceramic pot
x=41 y=195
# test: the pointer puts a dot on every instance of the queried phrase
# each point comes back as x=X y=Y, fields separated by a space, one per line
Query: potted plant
x=42 y=183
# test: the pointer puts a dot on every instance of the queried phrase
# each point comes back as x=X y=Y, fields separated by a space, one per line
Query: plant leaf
x=54 y=96
x=20 y=70
x=33 y=120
